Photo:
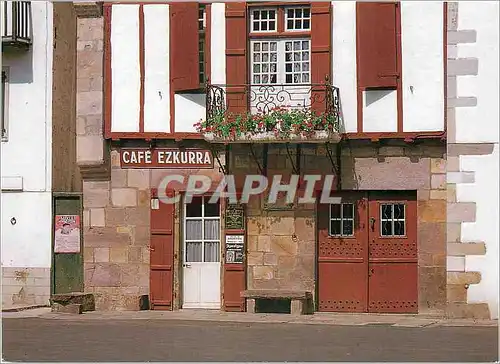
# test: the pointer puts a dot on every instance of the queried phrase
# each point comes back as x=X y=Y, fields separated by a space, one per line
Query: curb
x=23 y=308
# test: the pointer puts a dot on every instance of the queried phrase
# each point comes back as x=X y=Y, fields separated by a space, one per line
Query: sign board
x=235 y=249
x=235 y=217
x=67 y=234
x=166 y=158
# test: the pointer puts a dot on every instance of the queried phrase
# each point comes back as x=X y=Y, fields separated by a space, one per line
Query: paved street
x=68 y=340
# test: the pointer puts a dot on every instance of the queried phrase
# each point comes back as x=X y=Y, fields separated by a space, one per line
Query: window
x=285 y=60
x=202 y=230
x=201 y=42
x=392 y=219
x=5 y=103
x=341 y=220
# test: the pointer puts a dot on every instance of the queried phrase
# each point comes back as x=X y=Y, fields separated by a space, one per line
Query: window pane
x=211 y=209
x=193 y=209
x=289 y=24
x=256 y=15
x=256 y=27
x=399 y=228
x=347 y=227
x=212 y=251
x=335 y=227
x=348 y=210
x=399 y=211
x=306 y=24
x=193 y=230
x=212 y=229
x=386 y=211
x=335 y=211
x=194 y=252
x=386 y=228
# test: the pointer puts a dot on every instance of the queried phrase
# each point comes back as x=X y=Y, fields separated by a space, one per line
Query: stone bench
x=300 y=301
x=74 y=302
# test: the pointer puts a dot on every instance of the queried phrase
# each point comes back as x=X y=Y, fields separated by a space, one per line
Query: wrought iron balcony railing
x=271 y=113
x=16 y=24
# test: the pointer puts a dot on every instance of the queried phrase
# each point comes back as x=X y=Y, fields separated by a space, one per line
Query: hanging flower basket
x=278 y=125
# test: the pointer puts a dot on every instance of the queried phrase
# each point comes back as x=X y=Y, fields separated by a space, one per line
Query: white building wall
x=479 y=124
x=26 y=167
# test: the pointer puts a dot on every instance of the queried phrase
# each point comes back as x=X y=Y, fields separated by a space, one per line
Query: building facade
x=148 y=73
x=38 y=142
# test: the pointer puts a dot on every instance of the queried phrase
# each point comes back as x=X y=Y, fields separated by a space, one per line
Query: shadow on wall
x=20 y=65
x=348 y=175
x=372 y=96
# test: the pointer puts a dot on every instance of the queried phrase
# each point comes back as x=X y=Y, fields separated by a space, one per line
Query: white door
x=201 y=254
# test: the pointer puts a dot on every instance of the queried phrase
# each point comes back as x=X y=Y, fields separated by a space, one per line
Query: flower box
x=319 y=136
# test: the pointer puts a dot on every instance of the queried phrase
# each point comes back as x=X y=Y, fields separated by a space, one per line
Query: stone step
x=86 y=300
x=468 y=311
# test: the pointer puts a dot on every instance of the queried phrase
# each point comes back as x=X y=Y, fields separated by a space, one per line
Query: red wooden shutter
x=184 y=46
x=236 y=56
x=161 y=254
x=377 y=42
x=321 y=41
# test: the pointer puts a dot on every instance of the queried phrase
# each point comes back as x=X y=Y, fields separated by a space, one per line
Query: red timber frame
x=183 y=65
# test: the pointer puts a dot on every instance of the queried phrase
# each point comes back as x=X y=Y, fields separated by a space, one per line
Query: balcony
x=16 y=24
x=271 y=113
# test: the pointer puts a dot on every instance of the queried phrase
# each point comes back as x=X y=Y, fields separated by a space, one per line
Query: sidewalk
x=341 y=319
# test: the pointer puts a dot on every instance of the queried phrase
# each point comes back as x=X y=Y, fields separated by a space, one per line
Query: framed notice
x=235 y=249
x=235 y=217
x=67 y=234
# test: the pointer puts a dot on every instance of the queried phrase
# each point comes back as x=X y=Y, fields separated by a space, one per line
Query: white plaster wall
x=27 y=154
x=156 y=68
x=189 y=109
x=423 y=65
x=485 y=192
x=380 y=111
x=479 y=124
x=125 y=69
x=344 y=60
x=26 y=244
x=218 y=44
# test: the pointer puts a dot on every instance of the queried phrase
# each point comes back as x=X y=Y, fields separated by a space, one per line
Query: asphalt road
x=38 y=339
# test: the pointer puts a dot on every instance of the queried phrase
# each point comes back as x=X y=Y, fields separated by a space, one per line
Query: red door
x=162 y=254
x=393 y=267
x=343 y=255
x=367 y=254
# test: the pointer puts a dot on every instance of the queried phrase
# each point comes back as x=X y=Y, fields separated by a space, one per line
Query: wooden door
x=393 y=267
x=343 y=255
x=161 y=253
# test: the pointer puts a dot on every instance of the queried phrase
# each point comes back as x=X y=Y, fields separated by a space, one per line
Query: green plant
x=282 y=121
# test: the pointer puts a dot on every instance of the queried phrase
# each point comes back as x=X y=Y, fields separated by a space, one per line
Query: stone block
x=461 y=212
x=264 y=243
x=95 y=197
x=115 y=216
x=453 y=232
x=97 y=218
x=143 y=198
x=463 y=67
x=124 y=197
x=118 y=178
x=438 y=165
x=252 y=243
x=270 y=259
x=86 y=218
x=115 y=159
x=104 y=275
x=89 y=103
x=255 y=258
x=460 y=177
x=455 y=264
x=139 y=216
x=431 y=211
x=456 y=293
x=281 y=225
x=85 y=300
x=90 y=64
x=71 y=308
x=138 y=178
x=134 y=254
x=457 y=149
x=462 y=36
x=438 y=194
x=453 y=164
x=423 y=195
x=391 y=151
x=463 y=249
x=468 y=311
x=263 y=272
x=438 y=181
x=451 y=193
x=88 y=254
x=463 y=278
x=101 y=255
x=432 y=287
x=118 y=255
x=283 y=245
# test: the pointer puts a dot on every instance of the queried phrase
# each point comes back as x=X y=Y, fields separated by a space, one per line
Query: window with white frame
x=5 y=102
x=341 y=220
x=201 y=42
x=201 y=230
x=392 y=219
x=284 y=59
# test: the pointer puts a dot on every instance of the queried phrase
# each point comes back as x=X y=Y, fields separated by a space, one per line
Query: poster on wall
x=67 y=234
x=235 y=249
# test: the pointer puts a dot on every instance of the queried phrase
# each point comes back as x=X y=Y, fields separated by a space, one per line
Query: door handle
x=372 y=223
x=186 y=265
x=370 y=272
x=151 y=249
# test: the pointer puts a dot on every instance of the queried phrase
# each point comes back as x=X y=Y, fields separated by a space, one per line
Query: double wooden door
x=367 y=253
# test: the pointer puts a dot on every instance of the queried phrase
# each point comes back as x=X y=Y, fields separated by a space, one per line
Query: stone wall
x=25 y=287
x=282 y=244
